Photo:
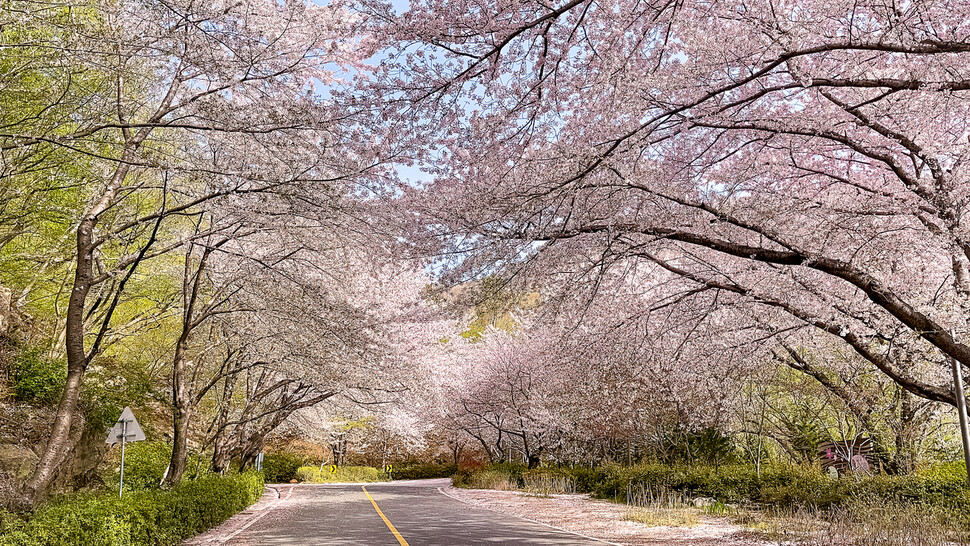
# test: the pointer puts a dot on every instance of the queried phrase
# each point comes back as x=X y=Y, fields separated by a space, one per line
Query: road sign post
x=124 y=437
x=125 y=430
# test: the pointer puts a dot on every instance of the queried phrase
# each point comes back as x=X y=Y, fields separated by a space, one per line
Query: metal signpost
x=125 y=430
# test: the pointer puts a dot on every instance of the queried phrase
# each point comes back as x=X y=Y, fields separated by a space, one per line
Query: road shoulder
x=598 y=519
x=227 y=530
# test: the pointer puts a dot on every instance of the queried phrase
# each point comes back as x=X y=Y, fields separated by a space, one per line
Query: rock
x=17 y=461
x=703 y=502
x=6 y=310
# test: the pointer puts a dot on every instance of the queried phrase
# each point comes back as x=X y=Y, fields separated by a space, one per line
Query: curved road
x=413 y=513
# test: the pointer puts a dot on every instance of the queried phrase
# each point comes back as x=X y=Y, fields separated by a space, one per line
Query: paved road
x=344 y=514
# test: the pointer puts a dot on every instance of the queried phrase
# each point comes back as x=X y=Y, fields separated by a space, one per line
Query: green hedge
x=423 y=471
x=281 y=467
x=150 y=517
x=784 y=485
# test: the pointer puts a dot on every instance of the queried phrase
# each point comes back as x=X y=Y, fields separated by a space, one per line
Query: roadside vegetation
x=289 y=466
x=351 y=474
x=786 y=502
x=149 y=516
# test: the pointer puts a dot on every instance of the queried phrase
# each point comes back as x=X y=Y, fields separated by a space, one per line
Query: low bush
x=281 y=467
x=145 y=464
x=36 y=378
x=422 y=471
x=587 y=478
x=788 y=486
x=352 y=474
x=149 y=517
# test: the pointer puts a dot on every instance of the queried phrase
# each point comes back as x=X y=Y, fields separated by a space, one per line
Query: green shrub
x=281 y=467
x=422 y=471
x=148 y=517
x=587 y=478
x=785 y=486
x=38 y=379
x=343 y=474
x=515 y=470
x=145 y=464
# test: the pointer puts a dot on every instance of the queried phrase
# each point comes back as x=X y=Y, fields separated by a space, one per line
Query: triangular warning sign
x=127 y=427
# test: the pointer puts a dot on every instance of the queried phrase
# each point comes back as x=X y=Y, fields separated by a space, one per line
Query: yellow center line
x=387 y=522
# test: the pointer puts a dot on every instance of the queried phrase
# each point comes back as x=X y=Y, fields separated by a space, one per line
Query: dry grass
x=863 y=523
x=663 y=517
x=544 y=485
x=659 y=507
x=491 y=479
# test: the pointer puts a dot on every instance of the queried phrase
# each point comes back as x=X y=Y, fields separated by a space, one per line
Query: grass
x=545 y=485
x=659 y=507
x=863 y=522
x=490 y=479
x=663 y=517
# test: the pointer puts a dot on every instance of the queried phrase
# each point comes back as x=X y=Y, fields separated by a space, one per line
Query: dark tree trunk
x=77 y=361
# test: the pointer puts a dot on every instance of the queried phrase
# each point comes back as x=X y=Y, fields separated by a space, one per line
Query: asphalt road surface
x=411 y=513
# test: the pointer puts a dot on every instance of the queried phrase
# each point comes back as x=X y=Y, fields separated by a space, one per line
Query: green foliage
x=423 y=471
x=149 y=517
x=111 y=384
x=281 y=467
x=145 y=464
x=496 y=307
x=494 y=476
x=587 y=477
x=37 y=378
x=787 y=486
x=515 y=470
x=706 y=446
x=344 y=474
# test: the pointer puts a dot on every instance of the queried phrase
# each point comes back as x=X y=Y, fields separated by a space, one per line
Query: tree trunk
x=181 y=415
x=221 y=455
x=77 y=361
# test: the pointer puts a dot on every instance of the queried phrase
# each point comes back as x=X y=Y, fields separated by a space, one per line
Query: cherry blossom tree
x=181 y=103
x=802 y=163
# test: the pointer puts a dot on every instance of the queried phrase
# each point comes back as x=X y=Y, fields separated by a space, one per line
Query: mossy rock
x=17 y=461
